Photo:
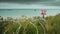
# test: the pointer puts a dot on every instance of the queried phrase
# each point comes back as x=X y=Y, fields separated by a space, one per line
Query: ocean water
x=27 y=12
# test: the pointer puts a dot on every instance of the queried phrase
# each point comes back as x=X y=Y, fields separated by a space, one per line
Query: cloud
x=44 y=2
x=27 y=1
x=26 y=6
x=51 y=4
x=23 y=0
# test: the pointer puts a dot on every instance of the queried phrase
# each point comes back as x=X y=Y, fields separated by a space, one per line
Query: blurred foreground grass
x=30 y=25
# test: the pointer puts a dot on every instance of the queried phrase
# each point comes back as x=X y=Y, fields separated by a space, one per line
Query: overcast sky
x=29 y=4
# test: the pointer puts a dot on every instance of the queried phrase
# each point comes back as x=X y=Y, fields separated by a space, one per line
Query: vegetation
x=30 y=25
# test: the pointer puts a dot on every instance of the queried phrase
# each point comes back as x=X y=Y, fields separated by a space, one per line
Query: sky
x=29 y=4
x=16 y=8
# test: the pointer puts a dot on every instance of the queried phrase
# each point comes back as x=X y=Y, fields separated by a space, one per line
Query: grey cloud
x=23 y=0
x=52 y=4
x=44 y=2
